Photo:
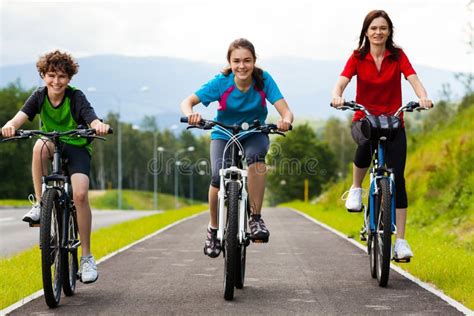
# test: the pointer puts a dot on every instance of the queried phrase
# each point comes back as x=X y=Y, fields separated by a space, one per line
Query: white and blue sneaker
x=88 y=270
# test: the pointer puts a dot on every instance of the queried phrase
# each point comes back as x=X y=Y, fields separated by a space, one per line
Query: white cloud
x=433 y=32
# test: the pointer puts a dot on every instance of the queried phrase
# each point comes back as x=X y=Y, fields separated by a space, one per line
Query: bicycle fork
x=221 y=195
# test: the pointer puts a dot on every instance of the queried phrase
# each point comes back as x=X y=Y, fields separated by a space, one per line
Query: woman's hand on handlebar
x=194 y=119
x=337 y=102
x=425 y=103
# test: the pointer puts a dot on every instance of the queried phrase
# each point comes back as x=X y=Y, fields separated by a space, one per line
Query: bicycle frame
x=233 y=173
x=377 y=172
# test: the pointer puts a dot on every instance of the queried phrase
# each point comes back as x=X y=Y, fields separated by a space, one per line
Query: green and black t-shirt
x=74 y=110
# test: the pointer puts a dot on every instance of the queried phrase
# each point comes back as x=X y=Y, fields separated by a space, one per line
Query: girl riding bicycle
x=242 y=90
x=62 y=108
x=378 y=64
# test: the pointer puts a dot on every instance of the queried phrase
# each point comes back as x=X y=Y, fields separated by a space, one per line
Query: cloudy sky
x=432 y=32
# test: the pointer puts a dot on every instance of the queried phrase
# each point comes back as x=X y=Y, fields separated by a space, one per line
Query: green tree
x=292 y=159
x=337 y=134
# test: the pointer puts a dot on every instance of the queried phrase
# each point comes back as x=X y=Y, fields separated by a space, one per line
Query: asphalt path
x=305 y=269
x=16 y=235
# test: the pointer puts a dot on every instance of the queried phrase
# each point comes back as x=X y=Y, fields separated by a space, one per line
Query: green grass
x=15 y=203
x=20 y=275
x=135 y=200
x=440 y=225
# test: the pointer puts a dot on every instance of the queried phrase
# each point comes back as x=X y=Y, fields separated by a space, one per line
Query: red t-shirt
x=379 y=91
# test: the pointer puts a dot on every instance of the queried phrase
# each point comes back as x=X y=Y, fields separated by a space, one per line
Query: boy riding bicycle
x=61 y=108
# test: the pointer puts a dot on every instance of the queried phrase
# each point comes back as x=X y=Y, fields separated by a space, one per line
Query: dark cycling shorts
x=255 y=149
x=395 y=158
x=78 y=159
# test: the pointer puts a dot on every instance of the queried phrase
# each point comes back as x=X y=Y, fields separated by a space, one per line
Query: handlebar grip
x=183 y=119
x=111 y=130
x=290 y=128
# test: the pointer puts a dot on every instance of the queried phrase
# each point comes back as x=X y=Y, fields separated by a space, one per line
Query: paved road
x=303 y=270
x=16 y=236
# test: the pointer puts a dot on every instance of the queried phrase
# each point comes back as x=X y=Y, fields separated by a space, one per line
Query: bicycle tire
x=240 y=277
x=69 y=261
x=383 y=240
x=231 y=241
x=51 y=247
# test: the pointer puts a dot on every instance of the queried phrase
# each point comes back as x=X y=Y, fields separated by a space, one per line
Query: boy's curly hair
x=57 y=61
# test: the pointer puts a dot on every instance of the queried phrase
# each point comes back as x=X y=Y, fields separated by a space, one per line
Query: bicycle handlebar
x=209 y=124
x=82 y=133
x=352 y=105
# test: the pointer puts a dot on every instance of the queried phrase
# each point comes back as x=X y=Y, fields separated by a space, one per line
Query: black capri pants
x=255 y=149
x=395 y=158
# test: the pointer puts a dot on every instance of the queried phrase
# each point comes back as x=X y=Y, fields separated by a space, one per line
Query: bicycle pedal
x=355 y=211
x=363 y=237
x=34 y=224
x=402 y=260
x=260 y=241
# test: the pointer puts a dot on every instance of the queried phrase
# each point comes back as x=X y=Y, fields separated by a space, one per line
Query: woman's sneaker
x=258 y=230
x=88 y=270
x=353 y=199
x=402 y=251
x=212 y=245
x=33 y=215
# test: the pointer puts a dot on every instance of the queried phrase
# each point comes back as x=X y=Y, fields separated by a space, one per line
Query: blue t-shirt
x=236 y=107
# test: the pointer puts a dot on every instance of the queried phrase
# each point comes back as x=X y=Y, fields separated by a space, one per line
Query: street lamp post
x=191 y=178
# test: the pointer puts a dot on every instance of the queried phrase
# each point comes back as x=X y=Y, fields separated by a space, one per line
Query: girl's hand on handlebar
x=8 y=131
x=283 y=125
x=194 y=119
x=337 y=102
x=425 y=103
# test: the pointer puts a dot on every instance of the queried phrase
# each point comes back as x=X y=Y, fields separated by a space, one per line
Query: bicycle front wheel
x=383 y=236
x=232 y=254
x=242 y=251
x=69 y=261
x=50 y=243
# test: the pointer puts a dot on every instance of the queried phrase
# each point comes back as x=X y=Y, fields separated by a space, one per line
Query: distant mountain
x=114 y=83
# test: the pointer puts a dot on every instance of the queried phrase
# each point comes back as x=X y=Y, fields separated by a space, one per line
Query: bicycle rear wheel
x=383 y=236
x=231 y=242
x=50 y=242
x=69 y=261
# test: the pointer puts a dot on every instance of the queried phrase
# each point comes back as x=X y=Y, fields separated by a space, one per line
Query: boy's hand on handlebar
x=8 y=131
x=101 y=129
x=194 y=119
x=283 y=125
x=425 y=103
x=337 y=102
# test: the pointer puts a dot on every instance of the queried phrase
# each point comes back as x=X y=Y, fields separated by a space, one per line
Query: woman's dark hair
x=57 y=61
x=257 y=73
x=364 y=44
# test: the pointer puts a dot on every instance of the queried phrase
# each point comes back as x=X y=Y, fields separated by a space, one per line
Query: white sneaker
x=353 y=199
x=88 y=270
x=33 y=216
x=402 y=250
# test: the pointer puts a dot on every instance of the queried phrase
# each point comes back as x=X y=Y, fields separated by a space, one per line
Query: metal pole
x=155 y=173
x=175 y=180
x=191 y=186
x=119 y=164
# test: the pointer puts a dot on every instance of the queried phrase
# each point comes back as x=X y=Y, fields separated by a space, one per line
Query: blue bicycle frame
x=381 y=172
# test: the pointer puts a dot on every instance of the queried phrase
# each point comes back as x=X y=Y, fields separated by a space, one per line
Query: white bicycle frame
x=224 y=174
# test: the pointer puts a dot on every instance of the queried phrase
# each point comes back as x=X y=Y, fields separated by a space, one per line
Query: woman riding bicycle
x=378 y=64
x=242 y=90
x=62 y=108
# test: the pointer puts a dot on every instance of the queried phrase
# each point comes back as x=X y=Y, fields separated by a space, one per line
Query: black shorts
x=395 y=158
x=78 y=159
